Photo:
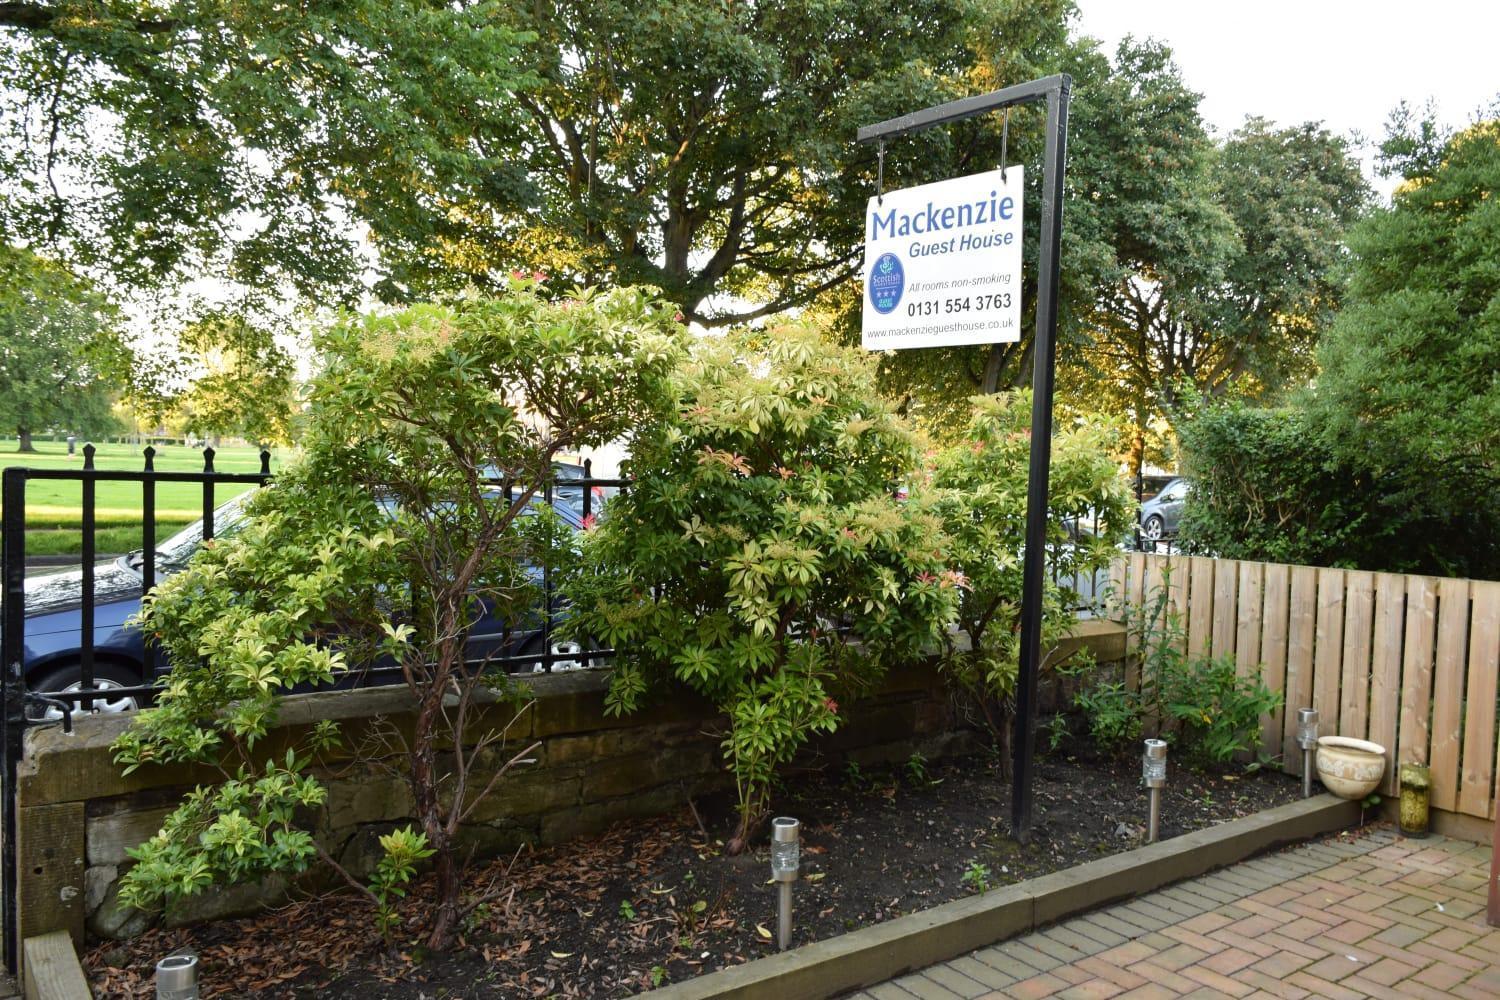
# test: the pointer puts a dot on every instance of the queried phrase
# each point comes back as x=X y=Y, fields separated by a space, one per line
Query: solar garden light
x=1154 y=773
x=786 y=849
x=177 y=977
x=1307 y=739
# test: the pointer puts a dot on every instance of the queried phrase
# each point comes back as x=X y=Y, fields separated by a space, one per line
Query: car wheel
x=1151 y=531
x=69 y=678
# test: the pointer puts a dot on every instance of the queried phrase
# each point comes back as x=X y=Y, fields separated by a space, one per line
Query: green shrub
x=1217 y=711
x=761 y=558
x=1265 y=488
x=382 y=541
x=1202 y=705
x=979 y=492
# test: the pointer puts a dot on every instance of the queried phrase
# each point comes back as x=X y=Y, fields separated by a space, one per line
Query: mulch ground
x=652 y=902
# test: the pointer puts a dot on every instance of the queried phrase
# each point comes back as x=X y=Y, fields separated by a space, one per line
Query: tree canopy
x=1389 y=461
x=246 y=384
x=61 y=361
x=155 y=141
x=1225 y=252
x=411 y=149
x=1408 y=388
x=708 y=148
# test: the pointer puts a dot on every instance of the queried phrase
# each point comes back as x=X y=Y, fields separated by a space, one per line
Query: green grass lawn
x=54 y=514
x=107 y=541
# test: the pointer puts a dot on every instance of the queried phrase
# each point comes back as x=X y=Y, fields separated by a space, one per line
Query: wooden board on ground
x=51 y=969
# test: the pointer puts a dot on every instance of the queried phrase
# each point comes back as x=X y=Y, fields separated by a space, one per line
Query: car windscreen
x=178 y=549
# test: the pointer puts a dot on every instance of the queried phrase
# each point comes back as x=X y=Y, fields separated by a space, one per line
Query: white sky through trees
x=1345 y=63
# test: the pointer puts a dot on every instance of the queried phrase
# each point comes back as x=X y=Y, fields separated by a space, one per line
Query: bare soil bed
x=657 y=901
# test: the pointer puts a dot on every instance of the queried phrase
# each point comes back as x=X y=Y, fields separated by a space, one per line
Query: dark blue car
x=53 y=648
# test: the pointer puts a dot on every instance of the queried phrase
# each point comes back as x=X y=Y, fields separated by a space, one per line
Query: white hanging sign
x=943 y=264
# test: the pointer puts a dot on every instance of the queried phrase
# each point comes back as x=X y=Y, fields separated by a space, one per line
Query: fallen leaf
x=761 y=930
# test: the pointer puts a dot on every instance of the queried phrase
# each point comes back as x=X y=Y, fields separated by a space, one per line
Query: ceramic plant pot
x=1350 y=768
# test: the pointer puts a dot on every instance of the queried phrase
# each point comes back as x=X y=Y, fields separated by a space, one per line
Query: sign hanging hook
x=880 y=173
x=1004 y=142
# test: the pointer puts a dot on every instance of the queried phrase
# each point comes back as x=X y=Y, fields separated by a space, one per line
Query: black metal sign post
x=1055 y=90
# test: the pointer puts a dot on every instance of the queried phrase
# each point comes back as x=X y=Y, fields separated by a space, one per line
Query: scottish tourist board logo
x=887 y=281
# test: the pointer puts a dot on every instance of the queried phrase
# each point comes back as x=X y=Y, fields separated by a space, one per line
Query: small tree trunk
x=1004 y=735
x=23 y=439
x=423 y=780
x=448 y=891
x=740 y=842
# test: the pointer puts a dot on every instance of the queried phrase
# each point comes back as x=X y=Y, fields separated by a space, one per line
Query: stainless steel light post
x=1154 y=773
x=786 y=851
x=1307 y=739
x=177 y=977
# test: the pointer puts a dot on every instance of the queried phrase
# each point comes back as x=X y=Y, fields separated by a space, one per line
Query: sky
x=1345 y=63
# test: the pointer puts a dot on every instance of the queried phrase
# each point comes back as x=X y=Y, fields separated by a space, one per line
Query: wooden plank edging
x=872 y=955
x=50 y=969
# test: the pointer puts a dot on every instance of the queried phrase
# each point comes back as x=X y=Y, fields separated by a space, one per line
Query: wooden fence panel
x=1411 y=663
x=1385 y=669
x=1135 y=595
x=1275 y=606
x=1247 y=623
x=1416 y=671
x=1175 y=579
x=1200 y=617
x=1328 y=651
x=1359 y=623
x=1448 y=690
x=1475 y=790
x=1301 y=634
x=1226 y=613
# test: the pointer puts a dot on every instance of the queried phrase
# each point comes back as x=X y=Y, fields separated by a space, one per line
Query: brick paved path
x=1373 y=916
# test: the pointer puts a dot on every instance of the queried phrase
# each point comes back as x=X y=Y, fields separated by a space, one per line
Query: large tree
x=1225 y=252
x=707 y=148
x=1409 y=389
x=223 y=373
x=1145 y=195
x=61 y=360
x=150 y=141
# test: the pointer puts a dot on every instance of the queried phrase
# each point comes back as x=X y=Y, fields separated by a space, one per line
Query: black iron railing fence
x=13 y=557
x=530 y=649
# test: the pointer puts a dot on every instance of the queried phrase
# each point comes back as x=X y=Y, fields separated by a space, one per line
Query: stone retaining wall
x=77 y=815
